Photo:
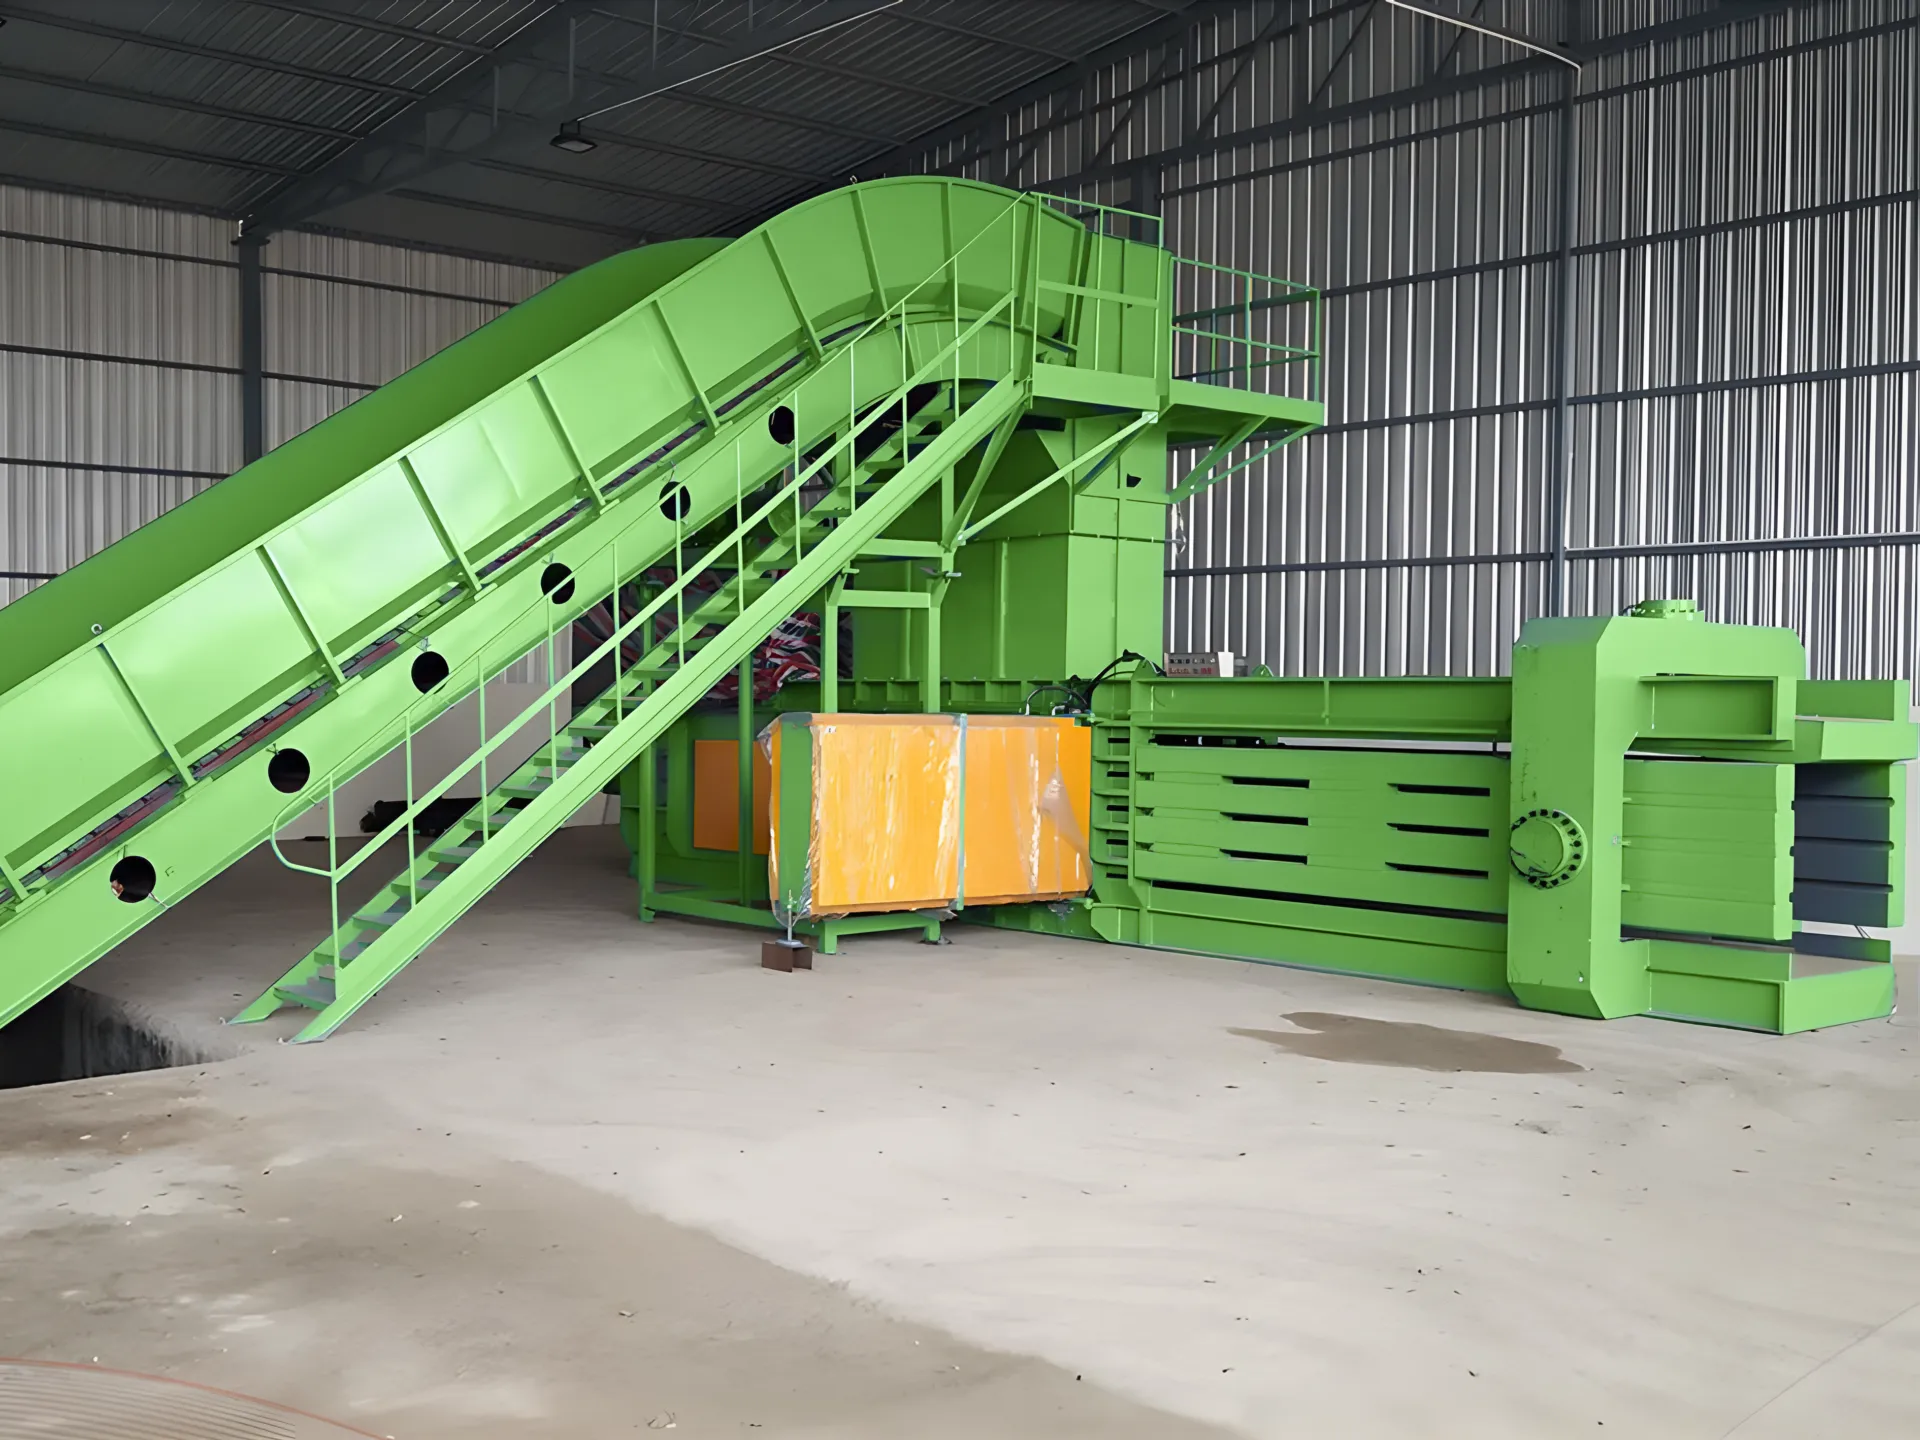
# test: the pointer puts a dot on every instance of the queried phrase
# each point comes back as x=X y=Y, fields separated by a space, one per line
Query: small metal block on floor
x=786 y=955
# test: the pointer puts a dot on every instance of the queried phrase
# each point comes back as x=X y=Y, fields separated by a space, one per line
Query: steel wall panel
x=92 y=446
x=109 y=222
x=85 y=412
x=103 y=303
x=51 y=519
x=352 y=333
x=295 y=405
x=1747 y=299
x=403 y=265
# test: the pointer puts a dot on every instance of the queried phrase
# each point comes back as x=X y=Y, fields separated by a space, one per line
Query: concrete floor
x=573 y=1176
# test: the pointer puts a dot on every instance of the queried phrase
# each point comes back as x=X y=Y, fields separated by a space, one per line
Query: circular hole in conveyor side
x=556 y=583
x=429 y=669
x=132 y=878
x=289 y=770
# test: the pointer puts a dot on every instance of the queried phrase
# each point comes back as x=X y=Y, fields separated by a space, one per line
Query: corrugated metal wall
x=119 y=352
x=1745 y=379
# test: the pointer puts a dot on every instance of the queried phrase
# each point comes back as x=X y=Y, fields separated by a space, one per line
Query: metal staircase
x=781 y=553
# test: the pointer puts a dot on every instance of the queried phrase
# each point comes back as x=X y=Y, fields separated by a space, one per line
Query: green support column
x=646 y=839
x=930 y=667
x=830 y=646
x=795 y=799
x=744 y=753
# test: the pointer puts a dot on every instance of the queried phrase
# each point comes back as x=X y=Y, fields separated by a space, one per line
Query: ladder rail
x=311 y=980
x=673 y=593
x=416 y=928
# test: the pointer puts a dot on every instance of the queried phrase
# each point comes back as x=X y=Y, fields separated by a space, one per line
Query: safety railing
x=1021 y=302
x=1098 y=303
x=1110 y=220
x=800 y=473
x=1243 y=326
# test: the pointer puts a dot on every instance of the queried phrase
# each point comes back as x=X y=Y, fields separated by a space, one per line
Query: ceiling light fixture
x=570 y=139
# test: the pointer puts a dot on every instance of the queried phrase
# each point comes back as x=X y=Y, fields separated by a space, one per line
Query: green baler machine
x=947 y=410
x=761 y=417
x=1654 y=815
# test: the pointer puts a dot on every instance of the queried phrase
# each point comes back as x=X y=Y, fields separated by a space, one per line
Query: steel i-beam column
x=253 y=427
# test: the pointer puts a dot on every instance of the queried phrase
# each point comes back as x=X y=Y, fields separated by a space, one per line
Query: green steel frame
x=1655 y=815
x=1647 y=819
x=779 y=408
x=946 y=410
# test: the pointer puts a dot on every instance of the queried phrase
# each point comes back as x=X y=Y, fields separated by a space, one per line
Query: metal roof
x=429 y=121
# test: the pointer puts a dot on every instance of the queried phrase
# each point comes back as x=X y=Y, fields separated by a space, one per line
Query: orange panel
x=1028 y=783
x=887 y=795
x=885 y=812
x=716 y=796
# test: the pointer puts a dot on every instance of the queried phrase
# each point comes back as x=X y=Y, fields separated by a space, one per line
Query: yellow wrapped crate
x=874 y=813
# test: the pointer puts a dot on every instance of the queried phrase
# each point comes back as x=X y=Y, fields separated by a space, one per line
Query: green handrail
x=1286 y=293
x=676 y=591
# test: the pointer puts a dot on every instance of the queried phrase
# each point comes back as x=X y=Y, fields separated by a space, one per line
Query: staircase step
x=429 y=881
x=542 y=778
x=314 y=994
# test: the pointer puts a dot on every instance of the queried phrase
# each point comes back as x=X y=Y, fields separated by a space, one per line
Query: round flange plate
x=1547 y=847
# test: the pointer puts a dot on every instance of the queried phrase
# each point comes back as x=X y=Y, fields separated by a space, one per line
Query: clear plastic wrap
x=911 y=812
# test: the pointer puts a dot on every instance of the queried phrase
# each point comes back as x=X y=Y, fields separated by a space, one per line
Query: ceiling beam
x=1453 y=19
x=598 y=135
x=372 y=23
x=77 y=26
x=624 y=233
x=835 y=128
x=1158 y=80
x=1454 y=41
x=707 y=203
x=644 y=143
x=1730 y=12
x=173 y=102
x=1138 y=41
x=809 y=62
x=141 y=147
x=653 y=145
x=603 y=77
x=459 y=122
x=975 y=32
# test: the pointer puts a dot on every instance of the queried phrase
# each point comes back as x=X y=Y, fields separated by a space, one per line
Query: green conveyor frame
x=169 y=703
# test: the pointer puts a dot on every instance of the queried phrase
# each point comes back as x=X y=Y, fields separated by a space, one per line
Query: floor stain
x=68 y=1117
x=1410 y=1046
